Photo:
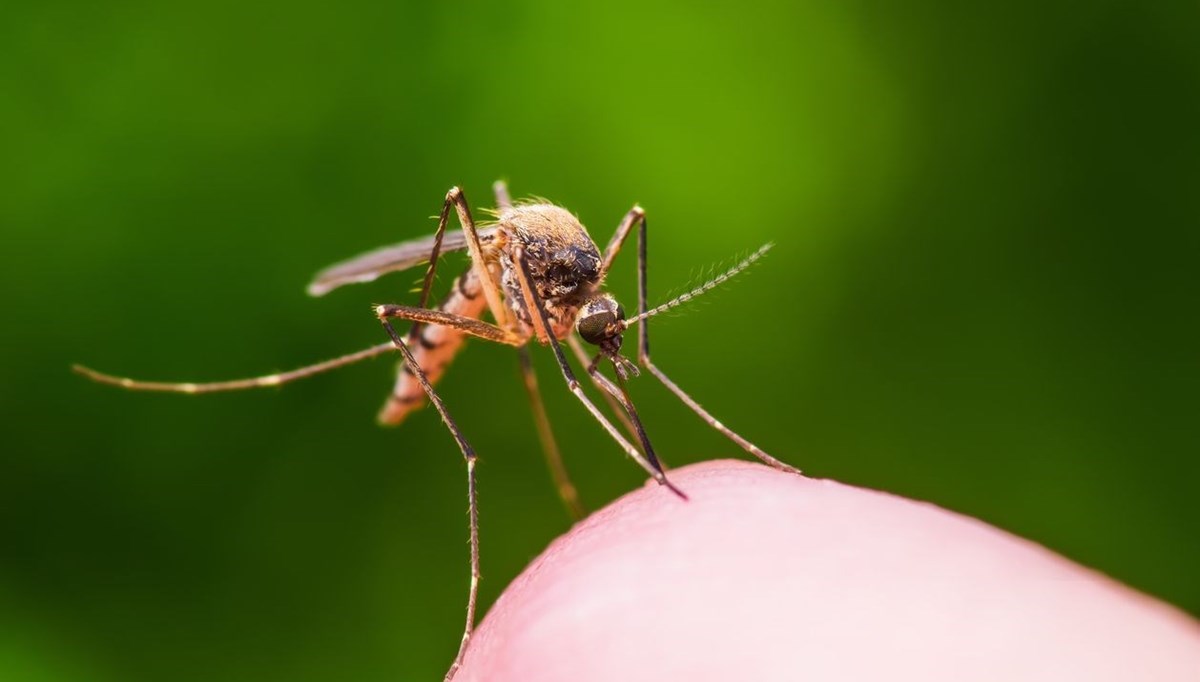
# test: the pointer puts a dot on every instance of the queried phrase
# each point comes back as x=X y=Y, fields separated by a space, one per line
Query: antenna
x=703 y=288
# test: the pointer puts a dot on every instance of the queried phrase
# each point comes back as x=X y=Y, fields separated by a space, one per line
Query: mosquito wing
x=369 y=266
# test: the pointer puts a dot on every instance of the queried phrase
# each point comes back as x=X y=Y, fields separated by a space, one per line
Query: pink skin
x=770 y=576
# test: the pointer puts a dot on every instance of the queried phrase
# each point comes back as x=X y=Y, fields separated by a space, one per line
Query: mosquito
x=539 y=275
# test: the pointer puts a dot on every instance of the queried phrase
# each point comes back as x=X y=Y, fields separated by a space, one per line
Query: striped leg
x=638 y=216
x=472 y=497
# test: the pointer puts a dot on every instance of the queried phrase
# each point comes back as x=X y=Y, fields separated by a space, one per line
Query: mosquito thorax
x=599 y=321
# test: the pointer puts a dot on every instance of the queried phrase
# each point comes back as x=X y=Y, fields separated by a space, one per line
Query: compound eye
x=593 y=328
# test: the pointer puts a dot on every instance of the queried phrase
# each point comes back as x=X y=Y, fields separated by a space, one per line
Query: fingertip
x=768 y=575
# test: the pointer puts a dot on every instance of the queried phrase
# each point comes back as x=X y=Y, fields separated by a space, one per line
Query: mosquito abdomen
x=434 y=349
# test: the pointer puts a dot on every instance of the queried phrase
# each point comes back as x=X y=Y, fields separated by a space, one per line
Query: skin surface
x=769 y=576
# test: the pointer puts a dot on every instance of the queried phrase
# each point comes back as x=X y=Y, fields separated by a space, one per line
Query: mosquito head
x=601 y=321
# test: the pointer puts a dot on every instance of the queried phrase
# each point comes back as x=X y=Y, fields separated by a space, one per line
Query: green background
x=983 y=294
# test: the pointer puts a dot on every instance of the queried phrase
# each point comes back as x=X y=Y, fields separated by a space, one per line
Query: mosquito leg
x=581 y=355
x=634 y=216
x=467 y=325
x=427 y=284
x=237 y=384
x=716 y=424
x=558 y=471
x=491 y=289
x=500 y=189
x=541 y=322
x=472 y=497
x=644 y=351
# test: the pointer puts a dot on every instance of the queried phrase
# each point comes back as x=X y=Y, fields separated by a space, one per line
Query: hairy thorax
x=563 y=261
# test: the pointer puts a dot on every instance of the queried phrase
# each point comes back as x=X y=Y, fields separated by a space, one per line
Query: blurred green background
x=983 y=294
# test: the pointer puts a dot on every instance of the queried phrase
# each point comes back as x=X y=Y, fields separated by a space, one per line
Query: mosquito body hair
x=703 y=288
